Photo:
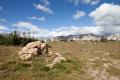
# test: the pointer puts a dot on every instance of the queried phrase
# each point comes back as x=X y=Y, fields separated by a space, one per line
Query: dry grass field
x=86 y=61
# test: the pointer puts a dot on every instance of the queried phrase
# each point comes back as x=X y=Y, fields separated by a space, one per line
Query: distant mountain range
x=84 y=37
x=115 y=37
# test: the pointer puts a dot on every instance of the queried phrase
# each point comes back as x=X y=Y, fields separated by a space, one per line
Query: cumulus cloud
x=2 y=28
x=69 y=30
x=0 y=8
x=92 y=2
x=78 y=14
x=43 y=8
x=60 y=31
x=107 y=16
x=26 y=26
x=42 y=18
x=73 y=30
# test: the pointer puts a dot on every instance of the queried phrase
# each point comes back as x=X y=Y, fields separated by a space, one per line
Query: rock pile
x=56 y=59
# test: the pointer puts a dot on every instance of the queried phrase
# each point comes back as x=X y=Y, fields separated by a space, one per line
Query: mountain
x=85 y=37
x=115 y=37
x=91 y=37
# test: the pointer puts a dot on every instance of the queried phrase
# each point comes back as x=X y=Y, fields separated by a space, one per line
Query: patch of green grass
x=77 y=65
x=22 y=66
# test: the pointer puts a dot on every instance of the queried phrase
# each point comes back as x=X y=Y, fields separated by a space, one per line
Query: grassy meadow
x=85 y=61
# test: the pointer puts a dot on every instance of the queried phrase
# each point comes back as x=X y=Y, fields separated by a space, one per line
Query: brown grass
x=78 y=54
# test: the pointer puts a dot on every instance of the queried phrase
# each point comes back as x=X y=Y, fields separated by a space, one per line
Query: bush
x=103 y=39
x=14 y=38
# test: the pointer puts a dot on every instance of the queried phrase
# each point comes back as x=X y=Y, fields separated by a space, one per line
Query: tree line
x=15 y=38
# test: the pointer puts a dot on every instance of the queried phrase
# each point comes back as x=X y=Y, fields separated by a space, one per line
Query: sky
x=60 y=17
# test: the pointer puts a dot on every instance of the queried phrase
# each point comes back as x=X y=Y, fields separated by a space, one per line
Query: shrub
x=14 y=38
x=103 y=39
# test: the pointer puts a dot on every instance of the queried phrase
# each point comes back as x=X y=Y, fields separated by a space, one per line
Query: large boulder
x=36 y=48
x=33 y=49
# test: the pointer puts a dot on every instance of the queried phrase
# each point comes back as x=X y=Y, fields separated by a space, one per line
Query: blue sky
x=53 y=14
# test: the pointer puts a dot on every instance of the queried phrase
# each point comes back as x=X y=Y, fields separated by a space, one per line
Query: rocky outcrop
x=33 y=49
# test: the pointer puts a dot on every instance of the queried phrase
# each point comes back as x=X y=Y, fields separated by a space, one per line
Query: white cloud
x=60 y=31
x=78 y=15
x=43 y=8
x=95 y=2
x=3 y=20
x=2 y=28
x=107 y=16
x=42 y=18
x=1 y=8
x=32 y=18
x=64 y=31
x=92 y=2
x=26 y=26
x=111 y=30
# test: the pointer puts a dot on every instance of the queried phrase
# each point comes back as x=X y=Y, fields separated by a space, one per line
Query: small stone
x=105 y=65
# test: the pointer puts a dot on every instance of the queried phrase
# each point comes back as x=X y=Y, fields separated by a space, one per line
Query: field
x=86 y=61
